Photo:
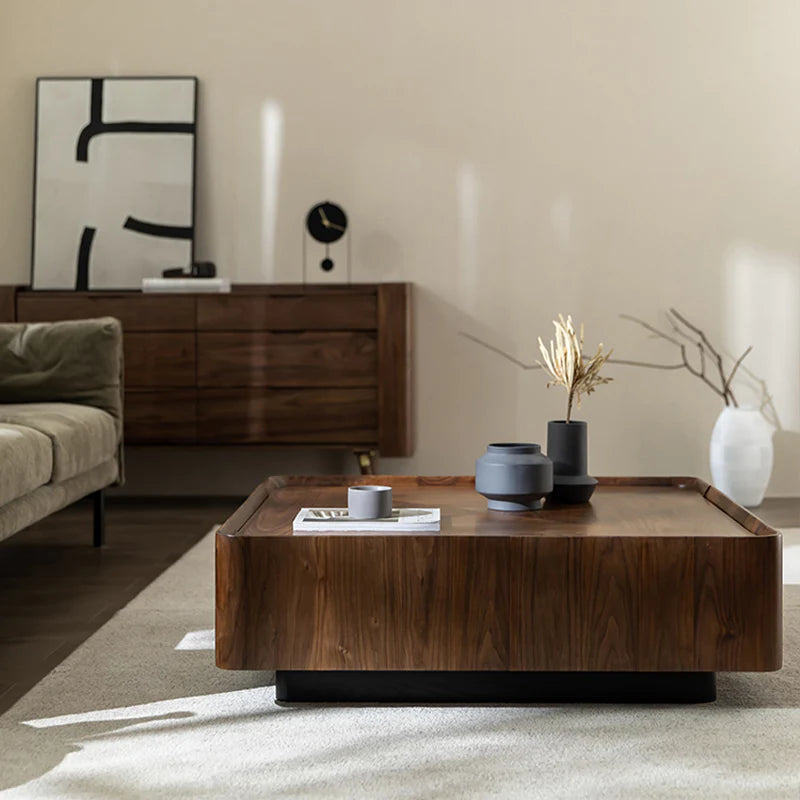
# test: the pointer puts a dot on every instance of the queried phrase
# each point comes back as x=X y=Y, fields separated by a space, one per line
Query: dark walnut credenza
x=314 y=366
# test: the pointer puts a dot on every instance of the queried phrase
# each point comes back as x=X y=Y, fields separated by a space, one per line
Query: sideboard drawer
x=316 y=312
x=288 y=416
x=259 y=358
x=167 y=417
x=159 y=360
x=136 y=312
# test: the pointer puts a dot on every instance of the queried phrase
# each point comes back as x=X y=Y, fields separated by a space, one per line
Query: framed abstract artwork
x=113 y=180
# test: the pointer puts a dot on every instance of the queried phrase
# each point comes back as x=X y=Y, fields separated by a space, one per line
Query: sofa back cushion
x=76 y=361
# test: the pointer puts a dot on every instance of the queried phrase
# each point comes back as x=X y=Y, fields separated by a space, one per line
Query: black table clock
x=326 y=224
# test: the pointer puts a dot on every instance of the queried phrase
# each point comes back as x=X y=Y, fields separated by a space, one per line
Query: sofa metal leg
x=99 y=504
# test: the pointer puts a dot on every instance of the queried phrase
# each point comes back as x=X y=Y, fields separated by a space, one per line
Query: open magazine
x=336 y=520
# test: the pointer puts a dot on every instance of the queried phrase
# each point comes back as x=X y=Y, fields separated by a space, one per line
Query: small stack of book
x=187 y=285
x=336 y=520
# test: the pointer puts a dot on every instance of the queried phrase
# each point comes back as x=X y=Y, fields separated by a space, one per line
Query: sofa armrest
x=69 y=362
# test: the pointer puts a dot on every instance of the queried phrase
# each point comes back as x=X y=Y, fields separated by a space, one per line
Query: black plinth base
x=307 y=686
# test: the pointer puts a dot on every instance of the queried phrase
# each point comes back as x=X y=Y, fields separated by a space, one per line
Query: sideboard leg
x=366 y=461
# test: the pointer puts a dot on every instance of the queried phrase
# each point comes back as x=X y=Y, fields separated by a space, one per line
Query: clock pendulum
x=326 y=223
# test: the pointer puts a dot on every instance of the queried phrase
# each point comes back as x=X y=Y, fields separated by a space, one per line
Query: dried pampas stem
x=566 y=365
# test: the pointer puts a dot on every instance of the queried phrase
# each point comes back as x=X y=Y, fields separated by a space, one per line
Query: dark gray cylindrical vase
x=567 y=449
x=514 y=476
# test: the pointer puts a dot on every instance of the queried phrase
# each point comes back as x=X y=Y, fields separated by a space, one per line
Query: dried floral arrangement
x=687 y=337
x=567 y=366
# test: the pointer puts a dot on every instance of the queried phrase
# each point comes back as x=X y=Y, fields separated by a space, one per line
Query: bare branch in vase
x=691 y=334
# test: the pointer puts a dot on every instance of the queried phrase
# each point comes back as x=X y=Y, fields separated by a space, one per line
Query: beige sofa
x=60 y=418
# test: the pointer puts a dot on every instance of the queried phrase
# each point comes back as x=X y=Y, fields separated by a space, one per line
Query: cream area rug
x=140 y=711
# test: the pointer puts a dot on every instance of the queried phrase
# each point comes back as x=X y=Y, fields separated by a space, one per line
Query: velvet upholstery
x=32 y=507
x=26 y=461
x=81 y=436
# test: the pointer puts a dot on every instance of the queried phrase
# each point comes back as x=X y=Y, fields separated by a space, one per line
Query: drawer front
x=160 y=417
x=314 y=312
x=258 y=358
x=159 y=360
x=347 y=416
x=136 y=312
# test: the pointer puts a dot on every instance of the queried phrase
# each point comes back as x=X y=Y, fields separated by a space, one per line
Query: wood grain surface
x=293 y=289
x=651 y=576
x=158 y=360
x=346 y=416
x=8 y=303
x=161 y=417
x=394 y=370
x=654 y=509
x=289 y=359
x=136 y=311
x=302 y=311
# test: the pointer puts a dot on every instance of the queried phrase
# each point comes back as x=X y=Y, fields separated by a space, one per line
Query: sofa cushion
x=26 y=461
x=77 y=361
x=82 y=436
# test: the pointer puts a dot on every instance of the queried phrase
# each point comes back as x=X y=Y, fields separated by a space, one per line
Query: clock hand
x=325 y=221
x=337 y=227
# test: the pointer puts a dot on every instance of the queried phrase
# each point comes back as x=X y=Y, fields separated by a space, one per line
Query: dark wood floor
x=56 y=589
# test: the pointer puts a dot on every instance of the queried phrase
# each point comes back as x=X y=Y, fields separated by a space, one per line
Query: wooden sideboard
x=324 y=366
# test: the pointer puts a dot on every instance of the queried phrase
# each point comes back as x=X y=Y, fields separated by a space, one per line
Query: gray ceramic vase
x=514 y=476
x=567 y=449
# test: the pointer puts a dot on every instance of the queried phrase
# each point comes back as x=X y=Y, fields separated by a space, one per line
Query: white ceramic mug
x=369 y=502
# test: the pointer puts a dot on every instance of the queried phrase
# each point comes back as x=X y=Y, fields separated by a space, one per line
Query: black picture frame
x=102 y=79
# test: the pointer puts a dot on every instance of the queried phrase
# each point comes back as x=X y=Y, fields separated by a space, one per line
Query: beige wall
x=512 y=159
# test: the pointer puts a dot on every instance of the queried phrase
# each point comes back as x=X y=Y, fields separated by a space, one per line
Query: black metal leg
x=99 y=503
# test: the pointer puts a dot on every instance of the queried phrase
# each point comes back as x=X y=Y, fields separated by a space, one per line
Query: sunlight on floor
x=197 y=640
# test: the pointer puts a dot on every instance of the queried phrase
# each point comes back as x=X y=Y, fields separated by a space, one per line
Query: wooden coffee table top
x=636 y=507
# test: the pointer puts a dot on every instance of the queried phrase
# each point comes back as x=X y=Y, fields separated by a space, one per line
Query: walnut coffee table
x=642 y=595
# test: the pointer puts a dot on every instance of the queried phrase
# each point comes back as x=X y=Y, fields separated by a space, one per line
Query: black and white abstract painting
x=114 y=180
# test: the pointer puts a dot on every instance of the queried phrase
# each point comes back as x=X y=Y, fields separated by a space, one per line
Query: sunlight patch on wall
x=468 y=191
x=271 y=152
x=561 y=219
x=761 y=306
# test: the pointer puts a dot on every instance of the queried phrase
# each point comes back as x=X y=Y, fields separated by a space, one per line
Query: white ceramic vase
x=741 y=454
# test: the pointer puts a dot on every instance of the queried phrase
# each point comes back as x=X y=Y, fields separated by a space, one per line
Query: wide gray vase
x=567 y=449
x=514 y=476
